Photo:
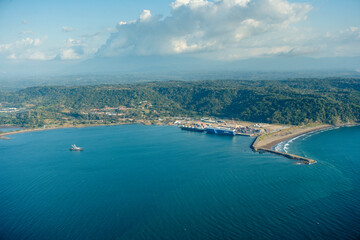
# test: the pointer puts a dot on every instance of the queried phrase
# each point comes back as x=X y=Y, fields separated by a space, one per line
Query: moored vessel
x=221 y=131
x=193 y=128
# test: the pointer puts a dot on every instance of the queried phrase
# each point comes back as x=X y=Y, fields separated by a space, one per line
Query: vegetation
x=299 y=101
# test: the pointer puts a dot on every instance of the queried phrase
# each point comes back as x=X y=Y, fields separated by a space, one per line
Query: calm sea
x=155 y=182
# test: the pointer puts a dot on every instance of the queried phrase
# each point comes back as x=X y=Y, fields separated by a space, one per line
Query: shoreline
x=290 y=136
x=3 y=136
x=273 y=139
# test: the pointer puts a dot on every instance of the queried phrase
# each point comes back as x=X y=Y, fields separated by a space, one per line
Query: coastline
x=262 y=143
x=288 y=134
x=4 y=135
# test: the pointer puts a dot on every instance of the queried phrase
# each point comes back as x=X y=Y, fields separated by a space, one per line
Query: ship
x=193 y=128
x=220 y=131
x=75 y=148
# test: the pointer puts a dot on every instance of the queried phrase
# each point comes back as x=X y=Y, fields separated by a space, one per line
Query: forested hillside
x=289 y=102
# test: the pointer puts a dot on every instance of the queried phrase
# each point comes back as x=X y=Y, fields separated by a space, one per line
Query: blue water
x=155 y=182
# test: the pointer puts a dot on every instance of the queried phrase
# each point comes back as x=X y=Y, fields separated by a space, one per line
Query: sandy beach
x=267 y=141
x=5 y=135
x=270 y=140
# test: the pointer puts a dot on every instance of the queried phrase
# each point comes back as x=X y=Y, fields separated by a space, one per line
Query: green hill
x=295 y=102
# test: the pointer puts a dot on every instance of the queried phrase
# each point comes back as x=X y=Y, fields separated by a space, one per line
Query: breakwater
x=288 y=155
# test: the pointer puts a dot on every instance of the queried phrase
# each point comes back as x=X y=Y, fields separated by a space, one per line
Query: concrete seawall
x=288 y=155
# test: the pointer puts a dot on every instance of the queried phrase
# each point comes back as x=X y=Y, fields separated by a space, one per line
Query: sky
x=50 y=36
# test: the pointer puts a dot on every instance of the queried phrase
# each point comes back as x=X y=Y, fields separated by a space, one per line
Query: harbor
x=266 y=135
x=226 y=127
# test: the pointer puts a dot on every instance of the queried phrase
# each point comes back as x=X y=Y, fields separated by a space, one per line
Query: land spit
x=265 y=142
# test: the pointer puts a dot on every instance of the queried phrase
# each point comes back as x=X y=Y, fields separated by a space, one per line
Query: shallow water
x=154 y=182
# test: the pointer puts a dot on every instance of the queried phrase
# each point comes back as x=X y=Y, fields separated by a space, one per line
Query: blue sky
x=70 y=32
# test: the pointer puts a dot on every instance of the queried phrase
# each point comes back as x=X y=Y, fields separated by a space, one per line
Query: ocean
x=158 y=182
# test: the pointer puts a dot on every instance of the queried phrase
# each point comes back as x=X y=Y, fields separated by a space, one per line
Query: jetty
x=265 y=142
x=255 y=148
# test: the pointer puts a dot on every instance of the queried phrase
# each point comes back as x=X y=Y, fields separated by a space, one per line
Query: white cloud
x=67 y=29
x=72 y=42
x=26 y=48
x=69 y=54
x=27 y=32
x=26 y=42
x=30 y=55
x=5 y=47
x=37 y=55
x=111 y=30
x=213 y=29
x=353 y=29
x=242 y=3
x=72 y=49
x=21 y=44
x=192 y=4
x=145 y=16
x=219 y=28
x=12 y=56
x=343 y=43
x=33 y=49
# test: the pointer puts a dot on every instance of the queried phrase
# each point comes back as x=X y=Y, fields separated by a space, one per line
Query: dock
x=234 y=128
x=288 y=155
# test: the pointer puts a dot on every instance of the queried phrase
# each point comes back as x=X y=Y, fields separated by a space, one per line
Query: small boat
x=75 y=148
